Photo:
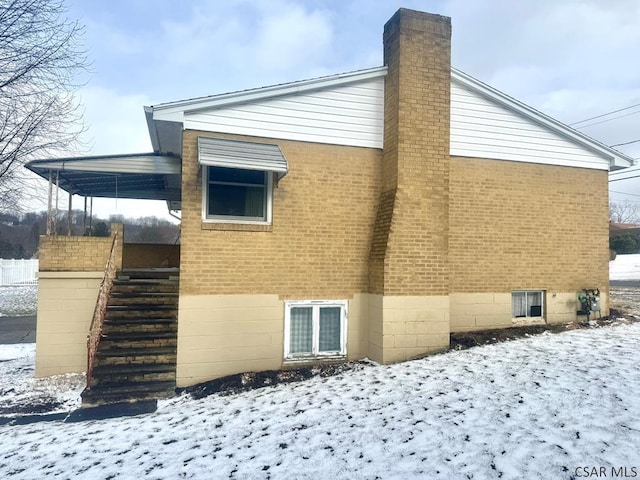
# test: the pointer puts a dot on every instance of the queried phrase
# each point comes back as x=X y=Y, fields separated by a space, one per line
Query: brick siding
x=78 y=254
x=527 y=226
x=318 y=246
x=416 y=156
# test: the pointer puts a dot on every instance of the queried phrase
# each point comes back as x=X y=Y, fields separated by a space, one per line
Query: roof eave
x=174 y=111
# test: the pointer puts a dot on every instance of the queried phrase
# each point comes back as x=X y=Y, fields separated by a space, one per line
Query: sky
x=570 y=59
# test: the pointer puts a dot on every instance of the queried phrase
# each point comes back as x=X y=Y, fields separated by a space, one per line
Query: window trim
x=236 y=219
x=315 y=354
x=542 y=303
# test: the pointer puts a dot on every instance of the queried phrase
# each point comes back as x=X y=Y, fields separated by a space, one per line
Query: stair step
x=142 y=301
x=136 y=386
x=165 y=359
x=124 y=320
x=143 y=307
x=146 y=273
x=127 y=344
x=127 y=368
x=161 y=354
x=123 y=328
x=112 y=393
x=119 y=312
x=138 y=332
x=132 y=377
x=143 y=293
x=146 y=285
x=139 y=335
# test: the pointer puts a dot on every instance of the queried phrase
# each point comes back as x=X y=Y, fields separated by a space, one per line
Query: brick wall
x=416 y=156
x=146 y=255
x=527 y=226
x=78 y=254
x=318 y=246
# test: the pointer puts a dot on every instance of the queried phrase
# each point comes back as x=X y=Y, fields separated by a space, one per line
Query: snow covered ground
x=17 y=301
x=538 y=407
x=20 y=392
x=625 y=267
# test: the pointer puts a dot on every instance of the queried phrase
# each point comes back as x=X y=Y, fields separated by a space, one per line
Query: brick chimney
x=409 y=254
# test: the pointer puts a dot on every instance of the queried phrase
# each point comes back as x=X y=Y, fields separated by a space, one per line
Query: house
x=364 y=214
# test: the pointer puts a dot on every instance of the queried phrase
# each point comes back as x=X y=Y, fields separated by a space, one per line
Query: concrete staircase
x=136 y=357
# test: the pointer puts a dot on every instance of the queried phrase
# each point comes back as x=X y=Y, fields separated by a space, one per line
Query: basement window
x=315 y=328
x=527 y=303
x=237 y=195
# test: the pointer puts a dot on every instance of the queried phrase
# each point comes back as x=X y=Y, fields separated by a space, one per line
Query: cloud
x=563 y=40
x=292 y=39
x=241 y=44
x=572 y=59
x=115 y=122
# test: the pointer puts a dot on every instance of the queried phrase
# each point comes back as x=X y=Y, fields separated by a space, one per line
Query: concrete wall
x=412 y=326
x=71 y=269
x=221 y=335
x=66 y=301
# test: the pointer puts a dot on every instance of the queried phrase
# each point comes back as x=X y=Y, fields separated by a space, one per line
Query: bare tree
x=624 y=212
x=40 y=58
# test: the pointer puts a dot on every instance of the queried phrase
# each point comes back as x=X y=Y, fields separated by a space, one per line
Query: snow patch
x=18 y=301
x=537 y=407
x=625 y=267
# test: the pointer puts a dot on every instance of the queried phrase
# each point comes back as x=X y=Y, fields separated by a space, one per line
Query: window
x=237 y=195
x=315 y=329
x=527 y=303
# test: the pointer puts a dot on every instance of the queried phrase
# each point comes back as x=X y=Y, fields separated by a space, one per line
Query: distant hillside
x=20 y=234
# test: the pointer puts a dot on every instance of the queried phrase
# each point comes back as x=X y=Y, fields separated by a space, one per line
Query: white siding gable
x=349 y=114
x=348 y=109
x=483 y=128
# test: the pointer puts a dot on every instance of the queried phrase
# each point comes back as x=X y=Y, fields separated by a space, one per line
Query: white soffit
x=219 y=152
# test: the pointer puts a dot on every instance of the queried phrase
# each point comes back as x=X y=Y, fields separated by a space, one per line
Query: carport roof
x=144 y=176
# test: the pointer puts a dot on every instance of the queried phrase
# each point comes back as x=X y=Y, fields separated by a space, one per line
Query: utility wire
x=607 y=120
x=626 y=143
x=624 y=193
x=605 y=114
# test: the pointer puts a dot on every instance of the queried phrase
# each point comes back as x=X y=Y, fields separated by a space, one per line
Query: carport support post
x=49 y=220
x=91 y=216
x=69 y=217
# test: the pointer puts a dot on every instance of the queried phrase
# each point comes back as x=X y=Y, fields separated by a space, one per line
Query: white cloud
x=292 y=39
x=115 y=122
x=241 y=44
x=572 y=59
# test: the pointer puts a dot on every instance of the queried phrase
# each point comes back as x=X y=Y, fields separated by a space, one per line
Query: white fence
x=18 y=272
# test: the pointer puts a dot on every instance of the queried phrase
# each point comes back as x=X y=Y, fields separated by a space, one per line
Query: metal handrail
x=99 y=313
